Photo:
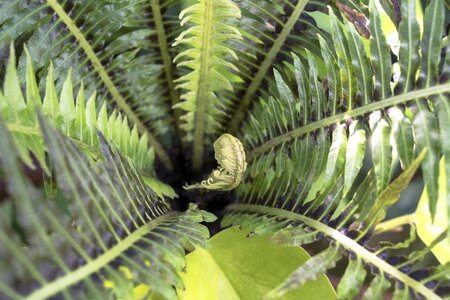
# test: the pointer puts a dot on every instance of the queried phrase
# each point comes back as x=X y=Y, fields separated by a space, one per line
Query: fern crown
x=321 y=117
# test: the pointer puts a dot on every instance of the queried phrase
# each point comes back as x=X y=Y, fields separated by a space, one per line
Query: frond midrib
x=239 y=113
x=203 y=82
x=345 y=241
x=109 y=84
x=101 y=261
x=371 y=107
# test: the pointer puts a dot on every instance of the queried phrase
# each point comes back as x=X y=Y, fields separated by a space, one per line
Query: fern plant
x=323 y=112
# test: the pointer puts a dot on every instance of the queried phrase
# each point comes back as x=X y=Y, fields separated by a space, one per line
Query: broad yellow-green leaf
x=309 y=271
x=236 y=267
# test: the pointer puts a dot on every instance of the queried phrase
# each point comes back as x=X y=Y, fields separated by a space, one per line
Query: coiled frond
x=207 y=57
x=230 y=155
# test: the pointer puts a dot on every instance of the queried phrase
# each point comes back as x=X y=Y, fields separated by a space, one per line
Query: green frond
x=111 y=46
x=281 y=124
x=109 y=232
x=210 y=70
x=271 y=30
x=78 y=119
x=425 y=118
x=300 y=229
x=307 y=145
x=338 y=107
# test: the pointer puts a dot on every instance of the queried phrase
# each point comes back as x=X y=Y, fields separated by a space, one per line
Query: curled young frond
x=230 y=155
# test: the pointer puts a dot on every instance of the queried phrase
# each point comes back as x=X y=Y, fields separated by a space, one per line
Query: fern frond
x=108 y=45
x=271 y=30
x=108 y=222
x=405 y=271
x=207 y=57
x=275 y=123
x=78 y=118
x=429 y=76
x=163 y=34
x=307 y=144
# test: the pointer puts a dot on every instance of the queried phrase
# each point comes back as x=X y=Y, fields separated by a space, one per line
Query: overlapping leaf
x=109 y=227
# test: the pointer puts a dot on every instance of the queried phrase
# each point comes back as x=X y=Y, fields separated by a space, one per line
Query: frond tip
x=230 y=155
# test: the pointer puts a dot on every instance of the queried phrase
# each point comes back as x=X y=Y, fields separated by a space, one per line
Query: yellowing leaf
x=427 y=230
x=141 y=291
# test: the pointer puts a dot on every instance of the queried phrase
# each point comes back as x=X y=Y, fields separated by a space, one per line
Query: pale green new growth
x=230 y=155
x=211 y=72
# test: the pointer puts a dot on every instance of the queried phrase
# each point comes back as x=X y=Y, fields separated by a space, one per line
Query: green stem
x=394 y=223
x=374 y=106
x=107 y=81
x=203 y=87
x=268 y=60
x=345 y=241
x=79 y=274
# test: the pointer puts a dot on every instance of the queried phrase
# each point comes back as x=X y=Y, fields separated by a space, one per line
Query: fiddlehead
x=230 y=155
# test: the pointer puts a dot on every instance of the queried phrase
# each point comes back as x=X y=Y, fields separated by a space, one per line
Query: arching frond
x=107 y=235
x=210 y=69
x=271 y=30
x=113 y=47
x=306 y=148
x=77 y=119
